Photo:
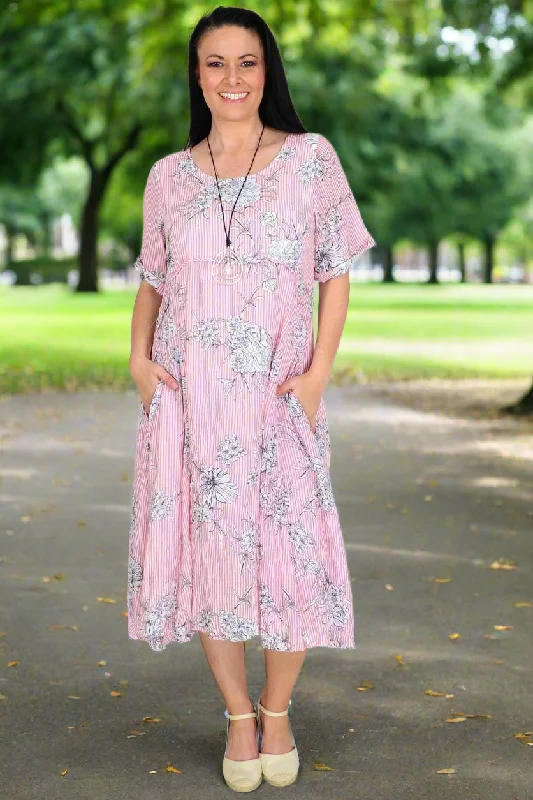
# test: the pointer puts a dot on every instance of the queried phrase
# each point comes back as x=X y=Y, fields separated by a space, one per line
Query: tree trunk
x=522 y=406
x=88 y=255
x=10 y=245
x=462 y=261
x=45 y=218
x=388 y=265
x=489 y=257
x=433 y=253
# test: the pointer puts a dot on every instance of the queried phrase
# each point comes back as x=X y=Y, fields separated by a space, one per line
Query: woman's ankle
x=241 y=705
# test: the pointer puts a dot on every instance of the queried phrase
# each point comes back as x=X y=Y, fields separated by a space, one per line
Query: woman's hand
x=309 y=389
x=146 y=374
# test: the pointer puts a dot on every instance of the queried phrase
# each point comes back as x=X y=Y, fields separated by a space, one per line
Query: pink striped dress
x=234 y=526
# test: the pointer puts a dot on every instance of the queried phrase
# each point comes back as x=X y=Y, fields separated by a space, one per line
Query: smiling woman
x=235 y=531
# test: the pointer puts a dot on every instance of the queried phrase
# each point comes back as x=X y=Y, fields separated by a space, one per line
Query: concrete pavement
x=427 y=504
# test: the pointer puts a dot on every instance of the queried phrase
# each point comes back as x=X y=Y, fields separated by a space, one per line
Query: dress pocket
x=303 y=425
x=154 y=403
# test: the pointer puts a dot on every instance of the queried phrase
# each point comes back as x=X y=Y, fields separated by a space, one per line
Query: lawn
x=53 y=339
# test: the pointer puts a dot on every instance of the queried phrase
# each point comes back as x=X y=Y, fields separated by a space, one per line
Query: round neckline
x=238 y=177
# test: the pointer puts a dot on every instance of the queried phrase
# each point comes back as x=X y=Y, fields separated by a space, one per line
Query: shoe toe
x=280 y=769
x=242 y=776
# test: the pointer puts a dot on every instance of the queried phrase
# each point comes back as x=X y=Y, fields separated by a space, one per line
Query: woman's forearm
x=333 y=301
x=145 y=311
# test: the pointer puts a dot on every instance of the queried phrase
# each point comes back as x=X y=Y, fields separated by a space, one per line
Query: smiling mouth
x=234 y=97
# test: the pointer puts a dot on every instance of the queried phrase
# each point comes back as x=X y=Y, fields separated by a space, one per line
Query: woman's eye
x=214 y=63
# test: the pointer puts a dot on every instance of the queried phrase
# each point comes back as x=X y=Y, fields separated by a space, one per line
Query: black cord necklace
x=229 y=260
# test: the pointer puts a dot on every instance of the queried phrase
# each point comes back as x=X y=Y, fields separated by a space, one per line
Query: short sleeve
x=152 y=260
x=340 y=233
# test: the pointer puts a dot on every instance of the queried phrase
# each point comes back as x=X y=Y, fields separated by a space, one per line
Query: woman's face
x=230 y=61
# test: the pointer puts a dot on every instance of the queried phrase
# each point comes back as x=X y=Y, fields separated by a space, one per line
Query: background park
x=430 y=405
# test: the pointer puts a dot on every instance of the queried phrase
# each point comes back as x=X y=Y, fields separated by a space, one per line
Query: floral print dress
x=234 y=526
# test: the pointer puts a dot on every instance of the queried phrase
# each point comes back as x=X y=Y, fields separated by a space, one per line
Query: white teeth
x=233 y=96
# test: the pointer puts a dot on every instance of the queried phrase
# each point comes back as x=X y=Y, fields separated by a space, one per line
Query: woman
x=234 y=528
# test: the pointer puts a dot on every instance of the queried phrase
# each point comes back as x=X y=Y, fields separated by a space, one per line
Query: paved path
x=421 y=497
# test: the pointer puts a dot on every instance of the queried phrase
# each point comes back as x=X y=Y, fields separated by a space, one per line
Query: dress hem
x=159 y=645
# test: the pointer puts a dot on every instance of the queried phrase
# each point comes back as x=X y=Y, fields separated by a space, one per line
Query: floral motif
x=274 y=499
x=235 y=628
x=207 y=333
x=217 y=486
x=273 y=641
x=250 y=346
x=336 y=608
x=269 y=455
x=135 y=574
x=229 y=449
x=300 y=538
x=161 y=506
x=154 y=277
x=206 y=621
x=155 y=620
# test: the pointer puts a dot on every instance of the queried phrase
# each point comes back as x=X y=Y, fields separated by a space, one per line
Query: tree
x=83 y=76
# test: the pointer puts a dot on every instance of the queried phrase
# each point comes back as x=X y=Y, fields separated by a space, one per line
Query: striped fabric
x=234 y=527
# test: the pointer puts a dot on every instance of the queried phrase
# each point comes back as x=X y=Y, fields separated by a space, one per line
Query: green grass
x=53 y=339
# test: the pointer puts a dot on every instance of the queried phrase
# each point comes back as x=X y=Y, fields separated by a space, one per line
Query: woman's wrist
x=319 y=375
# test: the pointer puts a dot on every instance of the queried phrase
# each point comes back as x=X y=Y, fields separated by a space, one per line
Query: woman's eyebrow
x=217 y=56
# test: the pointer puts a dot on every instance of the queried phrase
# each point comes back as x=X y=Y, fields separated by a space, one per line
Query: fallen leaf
x=319 y=765
x=456 y=719
x=73 y=697
x=399 y=659
x=115 y=694
x=445 y=772
x=503 y=563
x=59 y=627
x=106 y=600
x=389 y=587
x=169 y=768
x=524 y=737
x=101 y=663
x=454 y=636
x=2 y=696
x=431 y=693
x=13 y=663
x=64 y=772
x=151 y=719
x=503 y=627
x=523 y=605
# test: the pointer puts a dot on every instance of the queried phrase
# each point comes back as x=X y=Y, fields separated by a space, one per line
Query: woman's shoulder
x=166 y=166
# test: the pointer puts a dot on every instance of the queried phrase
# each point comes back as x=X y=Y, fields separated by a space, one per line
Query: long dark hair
x=276 y=108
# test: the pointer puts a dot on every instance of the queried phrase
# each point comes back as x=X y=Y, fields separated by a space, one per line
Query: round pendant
x=227 y=266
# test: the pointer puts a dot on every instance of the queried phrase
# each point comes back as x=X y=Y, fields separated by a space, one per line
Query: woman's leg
x=226 y=660
x=282 y=670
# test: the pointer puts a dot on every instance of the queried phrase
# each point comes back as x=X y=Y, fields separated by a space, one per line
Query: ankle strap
x=274 y=713
x=248 y=715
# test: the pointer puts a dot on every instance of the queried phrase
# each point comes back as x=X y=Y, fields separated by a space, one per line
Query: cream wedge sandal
x=279 y=769
x=242 y=776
